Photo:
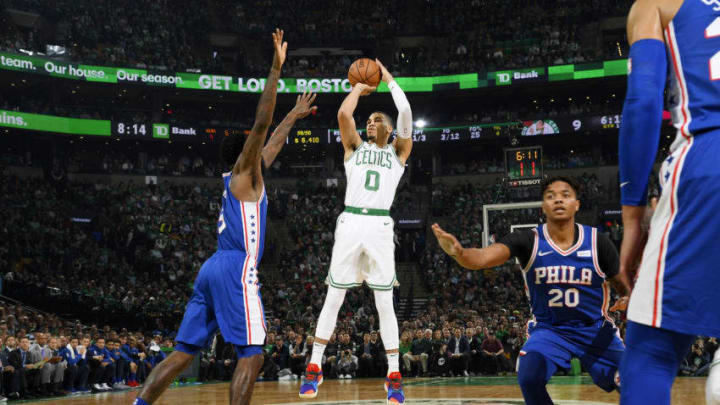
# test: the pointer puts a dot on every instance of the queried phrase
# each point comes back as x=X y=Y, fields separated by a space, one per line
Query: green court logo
x=161 y=131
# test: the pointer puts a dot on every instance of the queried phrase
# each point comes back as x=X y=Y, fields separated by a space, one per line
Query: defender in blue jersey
x=676 y=292
x=226 y=294
x=567 y=269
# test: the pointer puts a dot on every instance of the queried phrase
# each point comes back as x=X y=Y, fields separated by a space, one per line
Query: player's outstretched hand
x=386 y=76
x=447 y=241
x=303 y=105
x=280 y=48
x=364 y=89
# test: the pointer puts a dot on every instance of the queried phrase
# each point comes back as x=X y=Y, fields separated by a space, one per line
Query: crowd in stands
x=157 y=35
x=133 y=264
x=458 y=37
x=42 y=355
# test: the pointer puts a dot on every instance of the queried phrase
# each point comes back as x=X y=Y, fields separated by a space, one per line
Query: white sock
x=393 y=362
x=317 y=353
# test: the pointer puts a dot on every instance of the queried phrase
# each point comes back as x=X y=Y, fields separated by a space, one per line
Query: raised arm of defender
x=246 y=184
x=303 y=107
x=403 y=142
x=471 y=258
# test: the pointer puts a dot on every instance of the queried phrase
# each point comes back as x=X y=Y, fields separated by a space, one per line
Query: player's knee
x=532 y=371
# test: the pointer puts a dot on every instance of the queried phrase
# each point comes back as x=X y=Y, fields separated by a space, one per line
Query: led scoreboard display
x=523 y=166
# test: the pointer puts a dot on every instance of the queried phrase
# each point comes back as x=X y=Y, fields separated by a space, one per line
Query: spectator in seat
x=347 y=361
x=380 y=358
x=458 y=351
x=225 y=363
x=419 y=352
x=494 y=355
x=475 y=366
x=10 y=375
x=438 y=358
x=281 y=353
x=298 y=351
x=330 y=357
x=366 y=354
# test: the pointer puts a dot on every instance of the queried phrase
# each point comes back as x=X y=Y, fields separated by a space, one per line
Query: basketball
x=364 y=70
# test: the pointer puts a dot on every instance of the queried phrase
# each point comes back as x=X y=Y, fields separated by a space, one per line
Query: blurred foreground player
x=226 y=293
x=676 y=295
x=566 y=268
x=364 y=248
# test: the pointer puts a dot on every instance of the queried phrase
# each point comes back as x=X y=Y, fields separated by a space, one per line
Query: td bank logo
x=503 y=78
x=161 y=131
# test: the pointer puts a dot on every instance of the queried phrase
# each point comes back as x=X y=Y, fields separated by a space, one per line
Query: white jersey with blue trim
x=566 y=286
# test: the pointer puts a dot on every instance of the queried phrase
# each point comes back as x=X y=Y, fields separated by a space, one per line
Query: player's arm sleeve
x=608 y=258
x=642 y=118
x=520 y=244
x=404 y=120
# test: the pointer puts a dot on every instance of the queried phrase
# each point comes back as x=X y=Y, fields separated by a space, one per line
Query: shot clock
x=523 y=163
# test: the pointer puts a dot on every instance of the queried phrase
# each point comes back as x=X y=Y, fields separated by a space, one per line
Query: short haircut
x=388 y=119
x=550 y=180
x=230 y=148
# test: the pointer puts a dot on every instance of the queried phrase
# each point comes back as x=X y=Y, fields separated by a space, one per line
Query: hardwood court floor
x=447 y=391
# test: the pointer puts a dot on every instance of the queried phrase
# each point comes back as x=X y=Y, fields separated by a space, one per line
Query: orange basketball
x=366 y=71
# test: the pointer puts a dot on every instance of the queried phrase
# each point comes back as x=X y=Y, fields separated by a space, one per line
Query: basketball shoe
x=313 y=378
x=393 y=386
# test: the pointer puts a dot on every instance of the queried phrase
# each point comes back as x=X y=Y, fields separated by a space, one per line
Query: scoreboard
x=523 y=166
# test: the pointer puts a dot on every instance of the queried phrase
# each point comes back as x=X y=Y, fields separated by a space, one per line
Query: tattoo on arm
x=278 y=139
x=249 y=159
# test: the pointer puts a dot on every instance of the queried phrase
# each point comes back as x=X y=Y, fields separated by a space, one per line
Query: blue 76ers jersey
x=241 y=225
x=566 y=287
x=693 y=41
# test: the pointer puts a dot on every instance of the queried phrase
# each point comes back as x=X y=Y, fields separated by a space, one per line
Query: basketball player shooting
x=676 y=295
x=226 y=293
x=364 y=249
x=566 y=269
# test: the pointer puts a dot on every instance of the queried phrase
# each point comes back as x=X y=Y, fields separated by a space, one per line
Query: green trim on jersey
x=355 y=151
x=394 y=152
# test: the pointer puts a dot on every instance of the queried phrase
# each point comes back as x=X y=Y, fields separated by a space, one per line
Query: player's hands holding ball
x=384 y=73
x=364 y=89
x=280 y=49
x=447 y=241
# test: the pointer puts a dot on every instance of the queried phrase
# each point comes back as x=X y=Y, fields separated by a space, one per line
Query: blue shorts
x=677 y=284
x=240 y=351
x=598 y=347
x=221 y=300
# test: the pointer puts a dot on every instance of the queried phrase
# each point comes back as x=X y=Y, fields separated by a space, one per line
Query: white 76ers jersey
x=373 y=175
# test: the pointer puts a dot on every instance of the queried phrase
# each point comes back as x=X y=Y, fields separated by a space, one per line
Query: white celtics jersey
x=373 y=175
